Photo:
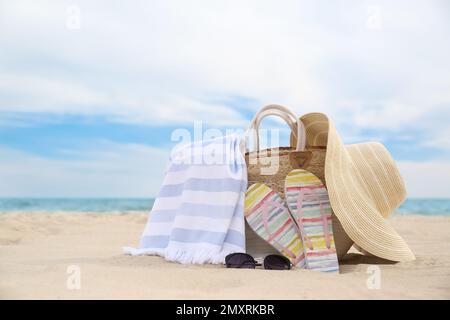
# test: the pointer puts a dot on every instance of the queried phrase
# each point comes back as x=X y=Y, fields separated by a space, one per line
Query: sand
x=41 y=254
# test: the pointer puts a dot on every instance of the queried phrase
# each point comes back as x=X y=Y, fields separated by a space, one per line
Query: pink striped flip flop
x=308 y=202
x=268 y=216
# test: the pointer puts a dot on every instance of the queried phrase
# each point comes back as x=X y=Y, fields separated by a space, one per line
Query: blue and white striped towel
x=198 y=215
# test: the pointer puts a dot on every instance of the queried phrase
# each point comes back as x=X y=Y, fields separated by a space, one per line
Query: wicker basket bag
x=271 y=166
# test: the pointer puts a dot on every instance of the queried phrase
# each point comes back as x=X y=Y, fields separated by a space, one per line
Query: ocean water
x=75 y=204
x=410 y=206
x=427 y=207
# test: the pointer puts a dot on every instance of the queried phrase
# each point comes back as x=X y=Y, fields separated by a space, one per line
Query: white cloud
x=441 y=140
x=167 y=62
x=162 y=60
x=426 y=179
x=389 y=115
x=108 y=170
x=43 y=94
x=113 y=170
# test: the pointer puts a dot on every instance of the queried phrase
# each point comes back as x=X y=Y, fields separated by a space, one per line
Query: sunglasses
x=246 y=261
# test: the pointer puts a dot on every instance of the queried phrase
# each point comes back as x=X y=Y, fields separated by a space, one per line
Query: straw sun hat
x=364 y=187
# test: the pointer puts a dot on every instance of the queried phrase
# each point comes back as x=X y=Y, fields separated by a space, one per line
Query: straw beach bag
x=271 y=166
x=363 y=182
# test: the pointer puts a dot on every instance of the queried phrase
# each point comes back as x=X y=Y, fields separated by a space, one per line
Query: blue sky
x=90 y=92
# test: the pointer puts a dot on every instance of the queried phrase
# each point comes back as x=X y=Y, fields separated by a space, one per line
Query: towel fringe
x=183 y=256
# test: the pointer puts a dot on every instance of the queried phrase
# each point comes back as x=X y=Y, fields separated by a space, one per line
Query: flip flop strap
x=300 y=199
x=300 y=218
x=325 y=225
x=266 y=210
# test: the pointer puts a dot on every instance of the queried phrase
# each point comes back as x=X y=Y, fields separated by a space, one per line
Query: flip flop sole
x=268 y=216
x=308 y=202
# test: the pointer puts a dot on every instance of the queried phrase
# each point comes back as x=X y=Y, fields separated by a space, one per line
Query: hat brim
x=364 y=186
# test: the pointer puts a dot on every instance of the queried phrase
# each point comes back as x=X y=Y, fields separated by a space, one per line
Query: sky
x=91 y=91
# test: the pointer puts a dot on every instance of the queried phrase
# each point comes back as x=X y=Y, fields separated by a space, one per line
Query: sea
x=428 y=207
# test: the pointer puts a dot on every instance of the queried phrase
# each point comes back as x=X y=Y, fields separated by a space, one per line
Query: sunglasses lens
x=248 y=265
x=240 y=260
x=276 y=262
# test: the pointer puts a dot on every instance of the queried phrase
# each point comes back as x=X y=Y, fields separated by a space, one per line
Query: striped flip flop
x=308 y=202
x=268 y=216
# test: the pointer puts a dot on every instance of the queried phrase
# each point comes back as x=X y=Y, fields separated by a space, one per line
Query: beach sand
x=38 y=249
